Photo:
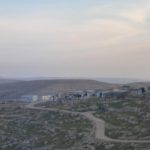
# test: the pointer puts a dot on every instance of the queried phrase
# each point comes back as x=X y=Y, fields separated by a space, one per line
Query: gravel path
x=99 y=124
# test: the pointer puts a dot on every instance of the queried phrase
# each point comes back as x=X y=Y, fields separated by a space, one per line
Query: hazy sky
x=75 y=38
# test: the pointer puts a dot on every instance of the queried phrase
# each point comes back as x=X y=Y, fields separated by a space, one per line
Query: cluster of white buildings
x=85 y=94
x=35 y=98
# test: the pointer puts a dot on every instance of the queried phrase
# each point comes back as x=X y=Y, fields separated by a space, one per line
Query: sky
x=75 y=38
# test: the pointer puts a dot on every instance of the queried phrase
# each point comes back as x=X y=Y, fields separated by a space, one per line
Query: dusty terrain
x=99 y=124
x=22 y=128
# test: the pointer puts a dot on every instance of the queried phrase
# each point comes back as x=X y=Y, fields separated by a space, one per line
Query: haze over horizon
x=68 y=38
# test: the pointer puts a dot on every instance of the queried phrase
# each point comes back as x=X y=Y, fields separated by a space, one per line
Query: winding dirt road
x=99 y=124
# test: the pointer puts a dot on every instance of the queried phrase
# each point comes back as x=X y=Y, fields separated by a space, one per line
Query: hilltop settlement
x=71 y=97
x=74 y=115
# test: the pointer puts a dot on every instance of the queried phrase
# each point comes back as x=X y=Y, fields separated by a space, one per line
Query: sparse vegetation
x=80 y=105
x=128 y=119
x=121 y=146
x=23 y=129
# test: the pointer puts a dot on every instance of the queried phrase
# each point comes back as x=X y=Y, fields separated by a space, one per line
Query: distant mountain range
x=106 y=80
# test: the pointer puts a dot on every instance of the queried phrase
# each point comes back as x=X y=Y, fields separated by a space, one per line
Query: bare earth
x=99 y=124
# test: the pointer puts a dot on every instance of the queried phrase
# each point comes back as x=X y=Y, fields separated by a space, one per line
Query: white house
x=46 y=98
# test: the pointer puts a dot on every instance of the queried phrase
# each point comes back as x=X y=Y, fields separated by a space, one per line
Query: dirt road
x=99 y=124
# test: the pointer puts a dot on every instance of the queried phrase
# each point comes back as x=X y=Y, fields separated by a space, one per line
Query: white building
x=46 y=98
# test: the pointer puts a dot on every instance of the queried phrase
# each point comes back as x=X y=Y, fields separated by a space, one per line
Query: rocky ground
x=23 y=129
x=27 y=129
x=78 y=105
x=129 y=119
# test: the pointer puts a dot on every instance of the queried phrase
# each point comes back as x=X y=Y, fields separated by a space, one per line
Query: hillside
x=43 y=87
x=139 y=84
x=121 y=80
x=5 y=81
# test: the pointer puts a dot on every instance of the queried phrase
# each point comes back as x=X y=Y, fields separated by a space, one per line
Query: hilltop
x=139 y=84
x=5 y=80
x=42 y=87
